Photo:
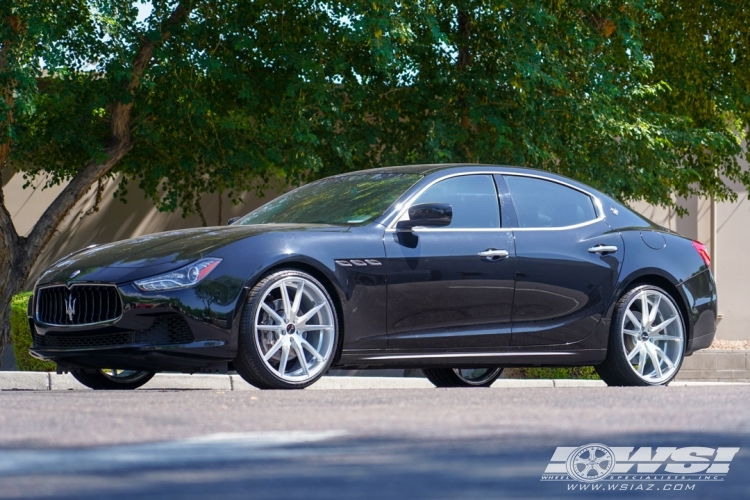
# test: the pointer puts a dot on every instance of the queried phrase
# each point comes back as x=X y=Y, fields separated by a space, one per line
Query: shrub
x=20 y=335
x=579 y=372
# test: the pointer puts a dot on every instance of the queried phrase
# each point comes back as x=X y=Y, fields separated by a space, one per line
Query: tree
x=199 y=96
x=645 y=99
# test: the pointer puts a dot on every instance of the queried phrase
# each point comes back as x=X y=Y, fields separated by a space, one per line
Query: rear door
x=568 y=261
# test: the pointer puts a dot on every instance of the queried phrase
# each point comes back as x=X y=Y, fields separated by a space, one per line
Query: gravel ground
x=738 y=345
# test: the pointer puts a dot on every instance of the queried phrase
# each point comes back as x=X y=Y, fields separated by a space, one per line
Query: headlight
x=181 y=278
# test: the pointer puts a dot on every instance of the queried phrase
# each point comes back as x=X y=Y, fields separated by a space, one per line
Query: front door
x=568 y=262
x=441 y=292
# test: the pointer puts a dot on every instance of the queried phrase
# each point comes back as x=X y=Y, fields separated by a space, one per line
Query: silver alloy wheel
x=118 y=375
x=476 y=376
x=294 y=332
x=653 y=336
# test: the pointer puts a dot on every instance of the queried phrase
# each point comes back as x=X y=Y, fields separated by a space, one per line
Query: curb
x=40 y=381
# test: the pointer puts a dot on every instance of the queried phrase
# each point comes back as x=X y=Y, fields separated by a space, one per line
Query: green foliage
x=577 y=372
x=21 y=337
x=644 y=99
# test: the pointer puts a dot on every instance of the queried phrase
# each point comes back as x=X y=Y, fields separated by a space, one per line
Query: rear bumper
x=703 y=310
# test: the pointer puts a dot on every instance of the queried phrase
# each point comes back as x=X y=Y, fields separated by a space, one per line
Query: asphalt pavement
x=363 y=443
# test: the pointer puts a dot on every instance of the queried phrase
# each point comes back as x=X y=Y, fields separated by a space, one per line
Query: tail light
x=701 y=249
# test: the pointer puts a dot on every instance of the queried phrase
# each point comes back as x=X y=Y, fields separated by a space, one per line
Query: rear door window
x=541 y=203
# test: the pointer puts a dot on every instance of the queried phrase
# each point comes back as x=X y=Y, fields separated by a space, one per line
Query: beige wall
x=117 y=221
x=114 y=221
x=729 y=259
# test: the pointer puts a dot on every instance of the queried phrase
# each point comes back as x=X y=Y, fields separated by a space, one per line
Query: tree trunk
x=11 y=280
x=18 y=254
x=464 y=61
x=464 y=30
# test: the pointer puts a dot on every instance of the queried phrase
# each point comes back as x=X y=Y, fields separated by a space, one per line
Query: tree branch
x=121 y=111
x=464 y=29
x=118 y=145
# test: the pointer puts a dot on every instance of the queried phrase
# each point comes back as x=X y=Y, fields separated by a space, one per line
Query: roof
x=420 y=169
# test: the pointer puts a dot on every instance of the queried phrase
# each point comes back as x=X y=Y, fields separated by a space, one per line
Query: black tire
x=616 y=370
x=447 y=377
x=97 y=380
x=249 y=362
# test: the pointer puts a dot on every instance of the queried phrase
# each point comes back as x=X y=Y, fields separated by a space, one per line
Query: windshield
x=345 y=199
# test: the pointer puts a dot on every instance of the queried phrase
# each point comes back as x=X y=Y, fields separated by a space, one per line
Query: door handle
x=600 y=249
x=492 y=254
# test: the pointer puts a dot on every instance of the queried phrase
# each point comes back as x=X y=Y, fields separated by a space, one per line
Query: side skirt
x=454 y=359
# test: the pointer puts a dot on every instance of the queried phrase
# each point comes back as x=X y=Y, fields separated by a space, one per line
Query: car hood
x=155 y=253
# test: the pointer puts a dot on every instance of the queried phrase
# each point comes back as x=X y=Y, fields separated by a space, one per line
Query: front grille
x=78 y=305
x=171 y=329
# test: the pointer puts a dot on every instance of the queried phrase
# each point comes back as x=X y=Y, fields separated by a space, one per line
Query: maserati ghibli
x=457 y=270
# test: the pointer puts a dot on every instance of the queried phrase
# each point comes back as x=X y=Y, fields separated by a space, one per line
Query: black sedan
x=459 y=270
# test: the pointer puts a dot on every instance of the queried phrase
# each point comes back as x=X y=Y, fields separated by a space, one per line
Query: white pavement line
x=40 y=381
x=327 y=383
x=26 y=381
x=239 y=384
x=165 y=381
x=212 y=448
x=505 y=383
x=579 y=383
x=65 y=382
x=699 y=383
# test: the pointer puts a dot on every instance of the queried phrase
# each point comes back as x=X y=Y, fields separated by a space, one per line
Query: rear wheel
x=289 y=332
x=462 y=377
x=112 y=379
x=647 y=339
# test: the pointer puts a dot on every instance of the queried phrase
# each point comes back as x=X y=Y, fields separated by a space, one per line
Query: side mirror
x=428 y=215
x=232 y=221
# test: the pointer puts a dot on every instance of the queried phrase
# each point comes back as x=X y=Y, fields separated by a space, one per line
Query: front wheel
x=462 y=377
x=112 y=379
x=289 y=332
x=646 y=341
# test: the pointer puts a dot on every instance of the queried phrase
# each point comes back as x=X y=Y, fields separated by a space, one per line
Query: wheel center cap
x=290 y=329
x=644 y=336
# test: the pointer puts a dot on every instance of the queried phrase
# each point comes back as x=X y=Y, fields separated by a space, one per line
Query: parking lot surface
x=364 y=443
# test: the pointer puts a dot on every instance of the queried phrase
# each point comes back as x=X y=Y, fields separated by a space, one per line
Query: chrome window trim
x=53 y=285
x=468 y=355
x=391 y=228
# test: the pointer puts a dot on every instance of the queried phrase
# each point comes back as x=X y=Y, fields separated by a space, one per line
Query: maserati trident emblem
x=70 y=306
x=75 y=273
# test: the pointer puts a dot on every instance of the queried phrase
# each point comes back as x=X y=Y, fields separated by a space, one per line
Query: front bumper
x=174 y=331
x=191 y=358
